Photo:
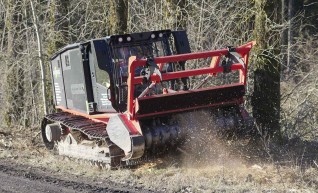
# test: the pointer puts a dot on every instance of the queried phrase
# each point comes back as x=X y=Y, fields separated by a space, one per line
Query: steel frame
x=213 y=69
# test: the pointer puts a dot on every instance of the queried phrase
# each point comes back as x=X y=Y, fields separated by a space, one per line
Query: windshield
x=122 y=54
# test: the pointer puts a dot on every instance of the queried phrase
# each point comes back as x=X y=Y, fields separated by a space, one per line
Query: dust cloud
x=204 y=142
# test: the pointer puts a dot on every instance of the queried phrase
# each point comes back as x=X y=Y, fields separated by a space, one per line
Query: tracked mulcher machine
x=117 y=97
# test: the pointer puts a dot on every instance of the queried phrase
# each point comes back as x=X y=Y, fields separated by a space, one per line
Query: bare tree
x=210 y=24
x=14 y=88
x=291 y=28
x=266 y=96
x=40 y=54
x=118 y=16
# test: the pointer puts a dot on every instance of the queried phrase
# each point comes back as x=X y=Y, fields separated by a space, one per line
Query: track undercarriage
x=81 y=138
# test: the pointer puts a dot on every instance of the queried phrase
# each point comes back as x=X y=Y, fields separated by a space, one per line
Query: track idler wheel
x=51 y=133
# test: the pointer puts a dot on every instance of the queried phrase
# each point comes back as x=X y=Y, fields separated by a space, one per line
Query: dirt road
x=22 y=178
x=234 y=166
x=19 y=184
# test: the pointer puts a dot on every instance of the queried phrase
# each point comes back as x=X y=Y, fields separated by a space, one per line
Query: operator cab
x=95 y=72
x=141 y=45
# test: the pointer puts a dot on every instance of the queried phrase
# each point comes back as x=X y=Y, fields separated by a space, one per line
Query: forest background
x=282 y=92
x=283 y=83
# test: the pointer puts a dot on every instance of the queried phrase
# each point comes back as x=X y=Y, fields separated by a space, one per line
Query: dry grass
x=236 y=168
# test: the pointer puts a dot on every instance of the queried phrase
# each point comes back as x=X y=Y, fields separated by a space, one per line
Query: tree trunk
x=291 y=26
x=14 y=91
x=266 y=96
x=2 y=31
x=40 y=54
x=118 y=17
x=284 y=35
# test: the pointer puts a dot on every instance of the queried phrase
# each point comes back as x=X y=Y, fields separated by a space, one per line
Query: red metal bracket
x=213 y=69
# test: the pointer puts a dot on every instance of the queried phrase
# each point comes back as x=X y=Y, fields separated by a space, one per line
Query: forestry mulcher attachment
x=117 y=97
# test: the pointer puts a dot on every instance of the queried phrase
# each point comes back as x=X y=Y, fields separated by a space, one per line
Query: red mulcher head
x=124 y=129
x=171 y=102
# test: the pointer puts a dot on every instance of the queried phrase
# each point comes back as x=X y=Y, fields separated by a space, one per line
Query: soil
x=232 y=165
x=15 y=177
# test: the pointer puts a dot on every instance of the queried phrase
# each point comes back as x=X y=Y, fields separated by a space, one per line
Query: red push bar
x=213 y=69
